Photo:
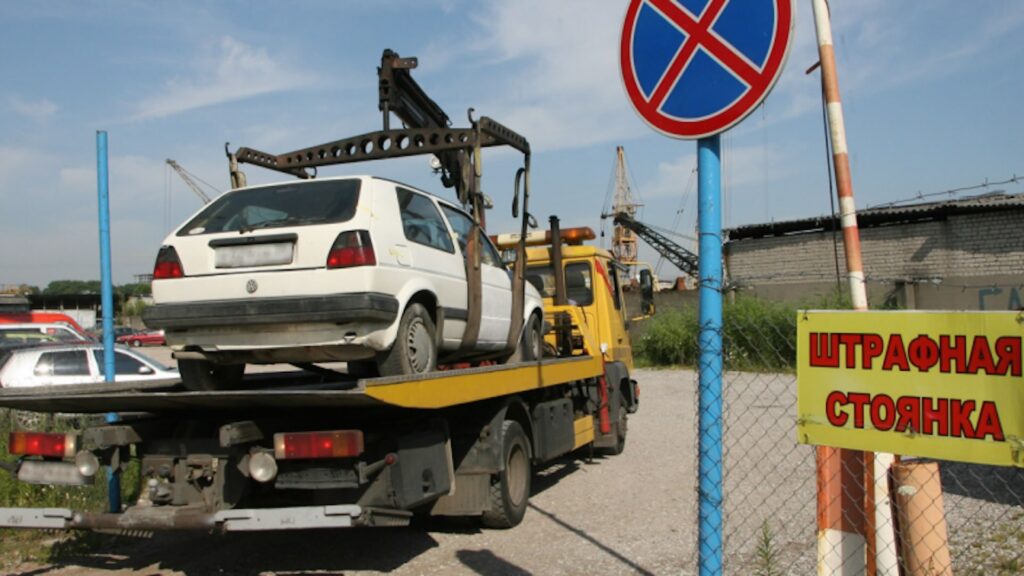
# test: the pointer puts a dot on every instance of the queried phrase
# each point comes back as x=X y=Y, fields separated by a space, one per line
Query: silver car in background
x=65 y=364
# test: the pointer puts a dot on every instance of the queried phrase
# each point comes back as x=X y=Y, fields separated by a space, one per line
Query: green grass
x=36 y=545
x=757 y=335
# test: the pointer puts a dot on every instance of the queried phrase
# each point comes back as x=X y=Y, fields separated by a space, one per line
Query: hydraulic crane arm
x=427 y=130
x=682 y=258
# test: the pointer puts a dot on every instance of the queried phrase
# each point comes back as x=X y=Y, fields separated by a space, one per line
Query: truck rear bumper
x=240 y=520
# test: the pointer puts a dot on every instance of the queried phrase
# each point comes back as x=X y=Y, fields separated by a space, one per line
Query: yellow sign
x=943 y=385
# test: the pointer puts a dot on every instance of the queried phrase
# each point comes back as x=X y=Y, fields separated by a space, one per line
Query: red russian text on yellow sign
x=943 y=385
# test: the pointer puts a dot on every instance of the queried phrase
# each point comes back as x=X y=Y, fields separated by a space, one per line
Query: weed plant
x=757 y=335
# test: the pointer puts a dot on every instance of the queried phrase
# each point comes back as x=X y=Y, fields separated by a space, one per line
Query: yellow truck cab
x=588 y=316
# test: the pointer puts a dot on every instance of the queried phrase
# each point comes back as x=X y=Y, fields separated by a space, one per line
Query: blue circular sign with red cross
x=694 y=68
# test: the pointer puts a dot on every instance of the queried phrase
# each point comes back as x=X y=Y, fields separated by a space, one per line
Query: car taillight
x=41 y=444
x=352 y=248
x=330 y=444
x=168 y=265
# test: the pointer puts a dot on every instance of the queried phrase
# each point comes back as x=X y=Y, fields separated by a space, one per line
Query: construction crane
x=682 y=258
x=624 y=241
x=190 y=180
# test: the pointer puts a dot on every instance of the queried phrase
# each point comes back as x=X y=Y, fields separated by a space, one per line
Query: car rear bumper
x=342 y=308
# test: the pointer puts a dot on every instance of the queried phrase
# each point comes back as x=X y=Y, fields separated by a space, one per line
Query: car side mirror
x=145 y=370
x=646 y=292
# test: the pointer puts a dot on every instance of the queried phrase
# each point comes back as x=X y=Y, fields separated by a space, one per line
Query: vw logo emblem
x=251 y=286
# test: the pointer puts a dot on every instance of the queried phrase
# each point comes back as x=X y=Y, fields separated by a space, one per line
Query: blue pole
x=107 y=298
x=709 y=447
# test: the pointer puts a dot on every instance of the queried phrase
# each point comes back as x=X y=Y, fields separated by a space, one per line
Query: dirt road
x=629 y=514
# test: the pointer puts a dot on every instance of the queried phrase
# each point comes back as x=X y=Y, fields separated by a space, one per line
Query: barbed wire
x=951 y=192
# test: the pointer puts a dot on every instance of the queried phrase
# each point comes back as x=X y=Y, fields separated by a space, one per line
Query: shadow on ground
x=323 y=552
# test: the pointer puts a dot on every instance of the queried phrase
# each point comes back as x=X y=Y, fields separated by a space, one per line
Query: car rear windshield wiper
x=271 y=224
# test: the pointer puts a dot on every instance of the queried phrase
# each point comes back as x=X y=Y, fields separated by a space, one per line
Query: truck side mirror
x=646 y=292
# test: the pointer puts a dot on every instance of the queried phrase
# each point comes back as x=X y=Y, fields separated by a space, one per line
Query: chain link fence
x=770 y=506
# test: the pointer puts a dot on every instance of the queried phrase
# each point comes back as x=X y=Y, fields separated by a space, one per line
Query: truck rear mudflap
x=236 y=520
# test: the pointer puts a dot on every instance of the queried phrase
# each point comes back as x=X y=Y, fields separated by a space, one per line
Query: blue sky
x=931 y=91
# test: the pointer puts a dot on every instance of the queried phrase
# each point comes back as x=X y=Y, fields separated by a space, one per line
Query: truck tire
x=510 y=488
x=620 y=426
x=200 y=375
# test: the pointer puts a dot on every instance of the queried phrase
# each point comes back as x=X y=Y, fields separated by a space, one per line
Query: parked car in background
x=74 y=363
x=32 y=317
x=356 y=269
x=145 y=338
x=37 y=333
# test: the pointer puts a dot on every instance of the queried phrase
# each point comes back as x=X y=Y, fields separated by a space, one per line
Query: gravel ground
x=629 y=514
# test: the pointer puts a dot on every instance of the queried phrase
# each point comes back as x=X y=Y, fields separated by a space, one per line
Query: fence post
x=709 y=409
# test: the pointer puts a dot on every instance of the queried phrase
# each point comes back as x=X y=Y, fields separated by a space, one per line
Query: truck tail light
x=42 y=444
x=352 y=248
x=168 y=265
x=309 y=445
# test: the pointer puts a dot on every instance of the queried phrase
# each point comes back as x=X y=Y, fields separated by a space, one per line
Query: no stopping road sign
x=694 y=68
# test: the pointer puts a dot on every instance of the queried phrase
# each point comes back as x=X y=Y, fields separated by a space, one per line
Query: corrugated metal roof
x=884 y=215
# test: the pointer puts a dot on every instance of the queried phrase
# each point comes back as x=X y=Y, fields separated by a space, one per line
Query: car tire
x=203 y=375
x=415 y=348
x=136 y=343
x=510 y=488
x=531 y=342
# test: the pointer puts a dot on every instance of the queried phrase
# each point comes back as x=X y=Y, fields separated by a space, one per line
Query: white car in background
x=357 y=269
x=67 y=364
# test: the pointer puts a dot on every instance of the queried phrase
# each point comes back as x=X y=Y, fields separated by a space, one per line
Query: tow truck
x=320 y=449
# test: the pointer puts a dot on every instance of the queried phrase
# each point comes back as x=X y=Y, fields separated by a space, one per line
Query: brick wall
x=967 y=261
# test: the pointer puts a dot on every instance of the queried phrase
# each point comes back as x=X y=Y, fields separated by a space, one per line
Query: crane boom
x=189 y=181
x=683 y=259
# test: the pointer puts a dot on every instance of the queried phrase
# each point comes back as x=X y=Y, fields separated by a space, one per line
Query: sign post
x=692 y=69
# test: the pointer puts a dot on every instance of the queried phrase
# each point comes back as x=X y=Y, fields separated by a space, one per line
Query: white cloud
x=238 y=72
x=564 y=90
x=36 y=109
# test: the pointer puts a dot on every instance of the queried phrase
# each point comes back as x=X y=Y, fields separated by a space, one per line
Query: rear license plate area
x=251 y=255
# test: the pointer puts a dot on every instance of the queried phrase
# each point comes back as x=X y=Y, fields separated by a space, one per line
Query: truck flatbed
x=301 y=390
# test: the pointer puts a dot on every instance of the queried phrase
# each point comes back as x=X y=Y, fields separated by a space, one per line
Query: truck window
x=578 y=282
x=422 y=222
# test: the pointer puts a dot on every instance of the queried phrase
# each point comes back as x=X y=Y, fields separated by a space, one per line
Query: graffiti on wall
x=996 y=298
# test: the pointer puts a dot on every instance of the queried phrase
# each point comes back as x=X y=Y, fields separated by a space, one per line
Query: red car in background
x=149 y=337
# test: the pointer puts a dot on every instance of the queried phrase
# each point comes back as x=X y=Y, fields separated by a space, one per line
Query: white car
x=75 y=363
x=357 y=269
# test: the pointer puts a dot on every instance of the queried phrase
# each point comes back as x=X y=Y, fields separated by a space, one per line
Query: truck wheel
x=531 y=345
x=619 y=426
x=414 y=350
x=510 y=488
x=199 y=375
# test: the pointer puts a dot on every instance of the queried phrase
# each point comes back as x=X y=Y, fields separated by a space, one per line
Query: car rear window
x=298 y=204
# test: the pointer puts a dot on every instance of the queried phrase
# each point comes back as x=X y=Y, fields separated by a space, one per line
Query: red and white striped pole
x=848 y=480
